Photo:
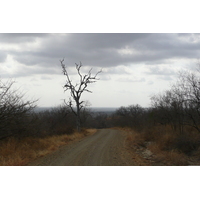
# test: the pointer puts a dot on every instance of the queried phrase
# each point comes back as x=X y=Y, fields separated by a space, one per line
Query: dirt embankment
x=105 y=148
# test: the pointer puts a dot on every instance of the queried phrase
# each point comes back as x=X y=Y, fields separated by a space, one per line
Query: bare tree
x=168 y=108
x=77 y=89
x=188 y=87
x=13 y=110
x=180 y=106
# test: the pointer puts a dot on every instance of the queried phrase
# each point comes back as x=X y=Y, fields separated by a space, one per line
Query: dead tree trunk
x=77 y=89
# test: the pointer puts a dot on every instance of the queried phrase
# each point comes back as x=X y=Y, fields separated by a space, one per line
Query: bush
x=14 y=111
x=56 y=121
x=186 y=143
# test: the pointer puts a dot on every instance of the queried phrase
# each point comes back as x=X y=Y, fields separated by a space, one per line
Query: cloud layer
x=135 y=66
x=40 y=53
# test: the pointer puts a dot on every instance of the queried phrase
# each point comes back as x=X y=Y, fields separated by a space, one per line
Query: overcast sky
x=135 y=66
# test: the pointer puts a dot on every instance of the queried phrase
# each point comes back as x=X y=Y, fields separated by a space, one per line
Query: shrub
x=186 y=143
x=14 y=111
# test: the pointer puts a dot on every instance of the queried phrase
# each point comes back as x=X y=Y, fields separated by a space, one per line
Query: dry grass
x=168 y=148
x=15 y=152
x=172 y=157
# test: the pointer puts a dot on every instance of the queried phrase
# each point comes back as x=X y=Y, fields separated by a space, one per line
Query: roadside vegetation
x=167 y=133
x=26 y=134
x=19 y=152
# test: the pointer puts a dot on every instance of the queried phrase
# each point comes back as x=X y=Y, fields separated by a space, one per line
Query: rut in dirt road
x=104 y=148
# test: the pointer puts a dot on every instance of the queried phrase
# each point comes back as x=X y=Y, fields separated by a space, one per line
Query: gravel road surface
x=105 y=148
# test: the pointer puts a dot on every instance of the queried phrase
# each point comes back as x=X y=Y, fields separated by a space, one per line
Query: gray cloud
x=158 y=70
x=150 y=82
x=27 y=71
x=3 y=56
x=162 y=73
x=105 y=77
x=20 y=37
x=91 y=49
x=165 y=78
x=116 y=70
x=46 y=78
x=99 y=50
x=131 y=79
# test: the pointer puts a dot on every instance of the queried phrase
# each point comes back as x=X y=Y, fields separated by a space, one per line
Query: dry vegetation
x=167 y=133
x=26 y=134
x=161 y=146
x=18 y=152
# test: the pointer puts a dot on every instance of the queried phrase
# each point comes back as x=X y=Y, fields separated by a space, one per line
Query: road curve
x=104 y=148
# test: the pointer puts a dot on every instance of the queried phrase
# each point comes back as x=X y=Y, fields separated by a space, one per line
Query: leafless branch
x=12 y=107
x=77 y=89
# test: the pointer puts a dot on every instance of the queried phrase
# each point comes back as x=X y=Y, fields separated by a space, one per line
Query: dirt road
x=105 y=148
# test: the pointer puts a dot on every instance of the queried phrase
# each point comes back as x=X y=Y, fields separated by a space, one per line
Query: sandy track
x=104 y=148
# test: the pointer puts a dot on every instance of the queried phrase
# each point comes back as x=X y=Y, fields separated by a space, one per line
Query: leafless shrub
x=56 y=121
x=14 y=110
x=132 y=116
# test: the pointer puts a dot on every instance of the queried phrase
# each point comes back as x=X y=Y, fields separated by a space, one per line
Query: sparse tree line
x=173 y=120
x=18 y=117
x=177 y=107
x=180 y=106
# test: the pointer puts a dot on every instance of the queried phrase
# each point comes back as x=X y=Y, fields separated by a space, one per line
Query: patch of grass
x=176 y=158
x=15 y=152
x=168 y=147
x=172 y=157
